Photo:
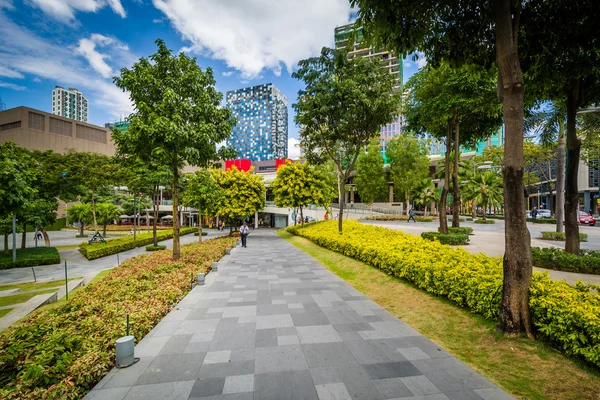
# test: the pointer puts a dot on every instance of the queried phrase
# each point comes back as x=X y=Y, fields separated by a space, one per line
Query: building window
x=37 y=121
x=11 y=125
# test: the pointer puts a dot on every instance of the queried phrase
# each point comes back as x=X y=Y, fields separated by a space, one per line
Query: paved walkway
x=273 y=323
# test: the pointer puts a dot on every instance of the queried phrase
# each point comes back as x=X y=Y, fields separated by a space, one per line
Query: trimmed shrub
x=561 y=236
x=459 y=220
x=461 y=230
x=449 y=238
x=470 y=219
x=484 y=221
x=81 y=236
x=587 y=262
x=30 y=257
x=203 y=233
x=567 y=316
x=62 y=352
x=398 y=218
x=114 y=246
x=155 y=248
x=550 y=221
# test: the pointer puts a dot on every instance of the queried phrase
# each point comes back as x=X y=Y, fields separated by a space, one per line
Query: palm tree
x=81 y=213
x=485 y=189
x=425 y=193
x=106 y=213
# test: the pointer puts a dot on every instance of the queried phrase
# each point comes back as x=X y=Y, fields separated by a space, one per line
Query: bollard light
x=125 y=350
x=228 y=251
x=201 y=278
x=215 y=266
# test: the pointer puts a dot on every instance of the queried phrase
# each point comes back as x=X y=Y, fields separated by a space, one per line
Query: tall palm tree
x=486 y=189
x=425 y=193
x=81 y=213
x=106 y=213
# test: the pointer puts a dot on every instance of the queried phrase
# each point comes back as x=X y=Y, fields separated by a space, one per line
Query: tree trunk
x=46 y=236
x=301 y=217
x=176 y=245
x=81 y=224
x=560 y=179
x=455 y=191
x=515 y=316
x=342 y=193
x=24 y=237
x=407 y=201
x=371 y=210
x=443 y=197
x=6 y=244
x=104 y=229
x=94 y=213
x=574 y=101
x=155 y=205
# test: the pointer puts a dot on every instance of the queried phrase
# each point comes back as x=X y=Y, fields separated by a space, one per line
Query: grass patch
x=5 y=311
x=523 y=367
x=30 y=257
x=35 y=286
x=68 y=247
x=21 y=298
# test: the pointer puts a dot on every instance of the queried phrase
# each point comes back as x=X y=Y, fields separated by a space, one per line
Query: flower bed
x=398 y=218
x=561 y=236
x=567 y=316
x=62 y=352
x=114 y=246
x=448 y=238
x=30 y=257
x=587 y=262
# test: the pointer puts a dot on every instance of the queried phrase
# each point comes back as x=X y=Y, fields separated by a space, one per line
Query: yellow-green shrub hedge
x=568 y=316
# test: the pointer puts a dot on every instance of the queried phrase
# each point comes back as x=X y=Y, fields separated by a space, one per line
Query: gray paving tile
x=266 y=338
x=216 y=357
x=280 y=358
x=328 y=355
x=318 y=334
x=391 y=370
x=493 y=394
x=289 y=385
x=333 y=391
x=392 y=388
x=163 y=391
x=107 y=394
x=420 y=385
x=128 y=376
x=239 y=384
x=207 y=387
x=310 y=319
x=175 y=345
x=222 y=370
x=324 y=375
x=274 y=321
x=240 y=338
x=358 y=383
x=172 y=368
x=374 y=351
x=466 y=395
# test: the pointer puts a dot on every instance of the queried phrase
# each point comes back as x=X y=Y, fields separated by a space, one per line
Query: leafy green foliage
x=80 y=213
x=243 y=194
x=561 y=236
x=447 y=238
x=62 y=352
x=155 y=248
x=398 y=218
x=484 y=221
x=587 y=262
x=106 y=213
x=202 y=192
x=370 y=179
x=424 y=193
x=460 y=230
x=16 y=179
x=30 y=257
x=484 y=188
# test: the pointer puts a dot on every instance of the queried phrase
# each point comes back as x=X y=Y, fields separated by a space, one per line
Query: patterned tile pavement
x=273 y=323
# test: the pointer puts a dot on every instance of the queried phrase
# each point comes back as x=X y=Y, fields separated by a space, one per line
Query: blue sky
x=84 y=43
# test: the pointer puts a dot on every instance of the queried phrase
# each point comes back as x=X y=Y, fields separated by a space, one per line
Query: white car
x=543 y=213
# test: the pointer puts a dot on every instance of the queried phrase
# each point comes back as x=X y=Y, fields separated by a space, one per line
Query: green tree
x=424 y=193
x=202 y=193
x=370 y=179
x=177 y=119
x=80 y=213
x=485 y=188
x=341 y=109
x=106 y=213
x=243 y=194
x=408 y=165
x=298 y=185
x=459 y=104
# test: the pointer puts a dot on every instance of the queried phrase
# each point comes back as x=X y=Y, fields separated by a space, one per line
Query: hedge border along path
x=567 y=316
x=114 y=246
x=30 y=257
x=62 y=352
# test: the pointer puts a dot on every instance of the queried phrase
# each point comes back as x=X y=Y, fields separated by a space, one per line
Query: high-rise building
x=69 y=103
x=389 y=61
x=261 y=132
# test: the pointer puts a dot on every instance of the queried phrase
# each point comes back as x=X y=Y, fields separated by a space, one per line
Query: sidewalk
x=273 y=323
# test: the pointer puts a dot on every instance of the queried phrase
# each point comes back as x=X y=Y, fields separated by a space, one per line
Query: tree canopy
x=243 y=194
x=371 y=182
x=203 y=193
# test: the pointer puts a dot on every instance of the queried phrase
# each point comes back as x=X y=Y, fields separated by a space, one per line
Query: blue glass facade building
x=261 y=132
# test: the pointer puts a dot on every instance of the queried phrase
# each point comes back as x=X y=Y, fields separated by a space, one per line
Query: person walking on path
x=411 y=215
x=244 y=232
x=534 y=214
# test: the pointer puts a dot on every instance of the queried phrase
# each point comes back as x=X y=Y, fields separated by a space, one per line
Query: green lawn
x=525 y=368
x=30 y=256
x=5 y=311
x=21 y=298
x=34 y=286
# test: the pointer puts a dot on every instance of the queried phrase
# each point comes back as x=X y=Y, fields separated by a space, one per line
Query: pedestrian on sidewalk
x=411 y=215
x=244 y=232
x=534 y=214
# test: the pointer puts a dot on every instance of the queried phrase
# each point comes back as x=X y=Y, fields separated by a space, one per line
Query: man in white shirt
x=244 y=231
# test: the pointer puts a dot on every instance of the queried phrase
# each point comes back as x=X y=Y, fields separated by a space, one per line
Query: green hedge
x=460 y=231
x=459 y=220
x=114 y=246
x=155 y=248
x=63 y=351
x=587 y=262
x=566 y=316
x=486 y=221
x=561 y=236
x=549 y=221
x=398 y=218
x=203 y=233
x=449 y=238
x=30 y=257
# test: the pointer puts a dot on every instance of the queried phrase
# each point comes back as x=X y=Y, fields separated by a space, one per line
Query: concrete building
x=389 y=61
x=261 y=132
x=35 y=129
x=69 y=103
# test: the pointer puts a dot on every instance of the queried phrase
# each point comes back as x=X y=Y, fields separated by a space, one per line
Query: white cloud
x=11 y=86
x=227 y=73
x=6 y=4
x=158 y=21
x=87 y=48
x=10 y=73
x=36 y=79
x=420 y=59
x=65 y=10
x=293 y=148
x=253 y=35
x=23 y=51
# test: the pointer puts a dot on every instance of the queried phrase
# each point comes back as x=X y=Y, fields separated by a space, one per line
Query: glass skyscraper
x=261 y=132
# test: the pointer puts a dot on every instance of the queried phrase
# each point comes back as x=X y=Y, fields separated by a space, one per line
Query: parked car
x=585 y=218
x=543 y=213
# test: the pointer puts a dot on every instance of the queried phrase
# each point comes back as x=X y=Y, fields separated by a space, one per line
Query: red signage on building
x=242 y=165
x=281 y=161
